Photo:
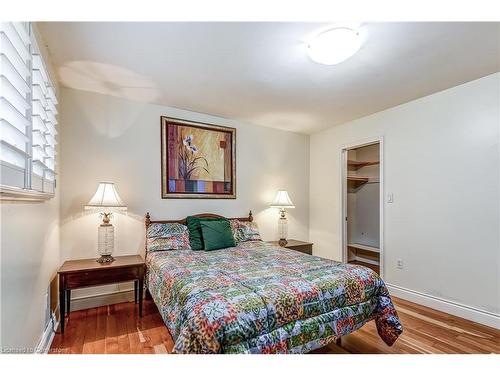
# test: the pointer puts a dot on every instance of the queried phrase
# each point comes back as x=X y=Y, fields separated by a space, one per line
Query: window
x=28 y=116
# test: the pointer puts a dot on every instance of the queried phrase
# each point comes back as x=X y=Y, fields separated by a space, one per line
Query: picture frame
x=198 y=160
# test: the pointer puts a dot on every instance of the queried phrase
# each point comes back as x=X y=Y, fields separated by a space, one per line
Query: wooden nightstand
x=303 y=247
x=83 y=273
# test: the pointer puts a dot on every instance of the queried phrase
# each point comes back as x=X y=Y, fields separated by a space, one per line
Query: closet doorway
x=362 y=201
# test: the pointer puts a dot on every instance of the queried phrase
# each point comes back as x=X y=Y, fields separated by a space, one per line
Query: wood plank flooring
x=118 y=329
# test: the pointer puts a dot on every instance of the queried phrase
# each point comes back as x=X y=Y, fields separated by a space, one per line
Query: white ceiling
x=260 y=72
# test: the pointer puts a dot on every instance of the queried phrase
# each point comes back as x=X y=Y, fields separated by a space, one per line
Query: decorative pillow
x=217 y=234
x=169 y=236
x=245 y=231
x=195 y=235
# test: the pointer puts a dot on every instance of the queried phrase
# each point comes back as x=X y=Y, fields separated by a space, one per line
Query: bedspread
x=260 y=298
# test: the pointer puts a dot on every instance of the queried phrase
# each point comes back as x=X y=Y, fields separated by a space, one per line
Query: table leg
x=68 y=301
x=141 y=292
x=136 y=290
x=62 y=303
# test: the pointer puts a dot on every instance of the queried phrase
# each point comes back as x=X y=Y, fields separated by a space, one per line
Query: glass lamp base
x=282 y=229
x=105 y=259
x=106 y=243
x=282 y=242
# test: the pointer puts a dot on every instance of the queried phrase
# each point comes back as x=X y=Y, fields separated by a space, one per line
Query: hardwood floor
x=118 y=329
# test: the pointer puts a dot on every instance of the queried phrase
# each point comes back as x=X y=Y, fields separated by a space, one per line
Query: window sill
x=13 y=194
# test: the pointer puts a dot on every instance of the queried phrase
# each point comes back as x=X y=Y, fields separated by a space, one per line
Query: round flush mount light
x=334 y=45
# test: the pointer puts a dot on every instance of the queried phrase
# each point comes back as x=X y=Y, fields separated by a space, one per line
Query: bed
x=260 y=298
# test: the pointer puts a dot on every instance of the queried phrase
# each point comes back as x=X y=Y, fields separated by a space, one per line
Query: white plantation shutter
x=28 y=109
x=44 y=122
x=15 y=103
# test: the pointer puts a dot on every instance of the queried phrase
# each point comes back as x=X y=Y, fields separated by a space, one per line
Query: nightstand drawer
x=98 y=277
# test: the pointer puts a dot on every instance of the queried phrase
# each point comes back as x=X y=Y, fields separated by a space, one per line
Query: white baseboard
x=103 y=299
x=48 y=335
x=467 y=312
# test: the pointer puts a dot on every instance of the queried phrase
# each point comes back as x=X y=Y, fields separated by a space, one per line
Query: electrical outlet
x=400 y=264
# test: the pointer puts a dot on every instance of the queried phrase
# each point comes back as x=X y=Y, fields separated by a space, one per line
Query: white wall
x=442 y=165
x=30 y=259
x=105 y=138
x=367 y=229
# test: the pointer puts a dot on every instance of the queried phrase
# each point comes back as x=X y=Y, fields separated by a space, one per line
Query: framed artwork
x=197 y=160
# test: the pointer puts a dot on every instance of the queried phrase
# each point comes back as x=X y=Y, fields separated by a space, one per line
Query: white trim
x=11 y=193
x=48 y=335
x=343 y=203
x=102 y=299
x=454 y=308
x=359 y=246
x=366 y=260
x=343 y=194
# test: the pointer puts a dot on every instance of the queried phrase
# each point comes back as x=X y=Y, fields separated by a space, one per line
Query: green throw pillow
x=195 y=235
x=217 y=234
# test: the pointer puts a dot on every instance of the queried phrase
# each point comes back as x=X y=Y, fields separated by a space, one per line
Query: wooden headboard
x=148 y=221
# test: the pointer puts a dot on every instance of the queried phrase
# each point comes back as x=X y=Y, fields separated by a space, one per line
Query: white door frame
x=343 y=194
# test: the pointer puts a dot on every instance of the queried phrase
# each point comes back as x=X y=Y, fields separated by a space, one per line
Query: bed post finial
x=250 y=216
x=147 y=220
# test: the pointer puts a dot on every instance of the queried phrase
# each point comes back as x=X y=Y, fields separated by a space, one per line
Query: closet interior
x=363 y=206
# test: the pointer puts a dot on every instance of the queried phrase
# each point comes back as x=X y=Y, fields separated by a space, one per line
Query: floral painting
x=198 y=160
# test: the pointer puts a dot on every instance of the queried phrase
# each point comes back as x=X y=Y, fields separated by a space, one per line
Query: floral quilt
x=260 y=298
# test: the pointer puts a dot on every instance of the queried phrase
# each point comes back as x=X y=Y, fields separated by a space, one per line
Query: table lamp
x=105 y=200
x=282 y=201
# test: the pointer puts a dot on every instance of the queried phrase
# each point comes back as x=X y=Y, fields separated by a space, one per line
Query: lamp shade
x=106 y=196
x=282 y=200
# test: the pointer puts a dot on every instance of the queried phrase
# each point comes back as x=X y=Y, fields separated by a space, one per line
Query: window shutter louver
x=44 y=125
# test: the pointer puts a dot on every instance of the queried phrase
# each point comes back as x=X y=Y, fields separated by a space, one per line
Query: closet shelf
x=373 y=249
x=359 y=164
x=357 y=181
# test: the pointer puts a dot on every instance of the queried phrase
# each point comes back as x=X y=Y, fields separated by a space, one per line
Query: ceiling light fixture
x=334 y=45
